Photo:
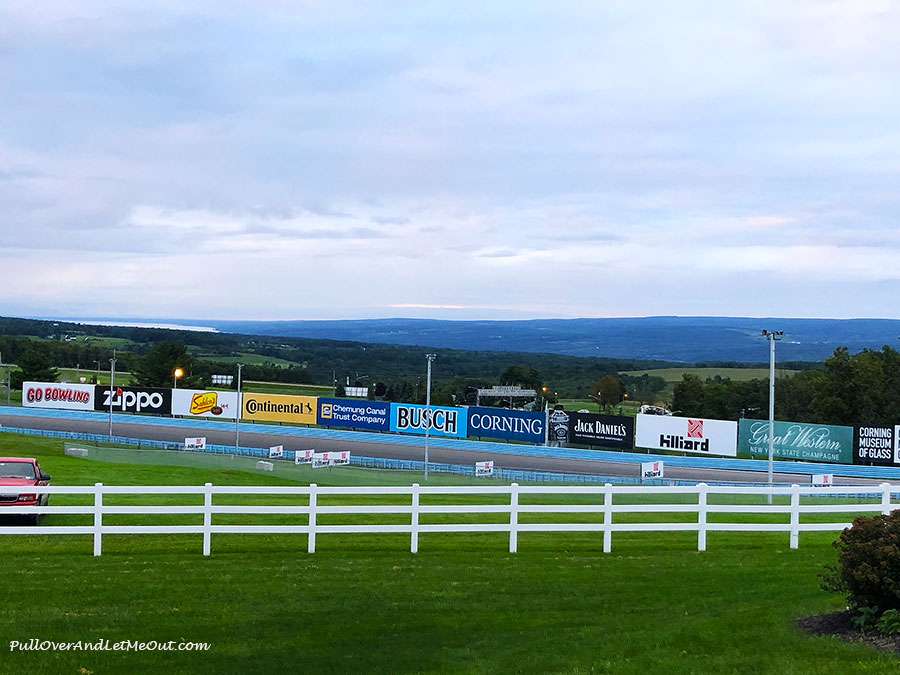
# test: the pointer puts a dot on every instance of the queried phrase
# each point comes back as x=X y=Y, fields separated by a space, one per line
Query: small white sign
x=276 y=452
x=303 y=456
x=484 y=468
x=823 y=479
x=652 y=469
x=195 y=443
x=320 y=459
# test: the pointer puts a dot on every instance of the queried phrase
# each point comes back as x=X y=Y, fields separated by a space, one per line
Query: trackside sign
x=509 y=425
x=133 y=400
x=61 y=396
x=197 y=403
x=409 y=418
x=799 y=440
x=684 y=434
x=366 y=415
x=609 y=431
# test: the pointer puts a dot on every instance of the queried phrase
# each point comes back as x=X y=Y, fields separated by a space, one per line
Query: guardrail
x=415 y=509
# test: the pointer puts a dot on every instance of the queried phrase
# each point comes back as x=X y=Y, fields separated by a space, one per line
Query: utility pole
x=8 y=378
x=772 y=337
x=237 y=417
x=429 y=358
x=112 y=389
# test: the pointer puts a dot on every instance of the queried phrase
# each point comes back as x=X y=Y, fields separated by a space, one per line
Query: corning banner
x=798 y=440
x=54 y=395
x=133 y=399
x=683 y=434
x=349 y=414
x=410 y=418
x=200 y=403
x=510 y=425
x=279 y=408
x=609 y=431
x=876 y=444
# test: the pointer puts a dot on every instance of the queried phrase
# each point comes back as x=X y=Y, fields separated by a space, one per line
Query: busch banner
x=410 y=418
x=609 y=431
x=509 y=425
x=799 y=440
x=62 y=396
x=683 y=434
x=194 y=403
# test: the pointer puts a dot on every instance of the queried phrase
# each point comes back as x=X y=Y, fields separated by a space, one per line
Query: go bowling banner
x=60 y=396
x=683 y=434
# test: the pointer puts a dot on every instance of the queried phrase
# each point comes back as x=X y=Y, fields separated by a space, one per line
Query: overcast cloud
x=290 y=160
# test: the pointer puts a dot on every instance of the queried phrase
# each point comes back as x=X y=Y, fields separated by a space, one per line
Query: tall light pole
x=112 y=390
x=772 y=336
x=178 y=372
x=429 y=358
x=237 y=417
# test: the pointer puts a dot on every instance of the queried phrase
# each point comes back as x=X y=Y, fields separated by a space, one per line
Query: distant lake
x=143 y=324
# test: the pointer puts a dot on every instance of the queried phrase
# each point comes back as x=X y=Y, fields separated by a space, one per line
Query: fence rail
x=878 y=499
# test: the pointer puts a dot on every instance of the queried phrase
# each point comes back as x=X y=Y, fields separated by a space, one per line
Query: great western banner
x=199 y=403
x=798 y=440
x=877 y=444
x=685 y=434
x=409 y=418
x=609 y=431
x=133 y=399
x=54 y=395
x=279 y=408
x=349 y=414
x=509 y=425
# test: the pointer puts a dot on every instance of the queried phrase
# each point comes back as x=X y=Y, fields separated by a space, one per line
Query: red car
x=20 y=472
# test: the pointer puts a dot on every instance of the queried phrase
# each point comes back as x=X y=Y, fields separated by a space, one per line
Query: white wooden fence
x=871 y=499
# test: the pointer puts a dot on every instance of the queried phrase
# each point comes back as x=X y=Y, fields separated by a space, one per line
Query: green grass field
x=287 y=388
x=363 y=603
x=673 y=375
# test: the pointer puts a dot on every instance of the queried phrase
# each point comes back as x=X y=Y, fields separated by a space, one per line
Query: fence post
x=514 y=518
x=311 y=545
x=414 y=536
x=701 y=516
x=886 y=499
x=607 y=518
x=207 y=518
x=98 y=517
x=795 y=516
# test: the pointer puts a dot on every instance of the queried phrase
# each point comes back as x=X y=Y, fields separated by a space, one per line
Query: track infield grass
x=363 y=603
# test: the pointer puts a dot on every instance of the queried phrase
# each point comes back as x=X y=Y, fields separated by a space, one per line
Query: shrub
x=868 y=565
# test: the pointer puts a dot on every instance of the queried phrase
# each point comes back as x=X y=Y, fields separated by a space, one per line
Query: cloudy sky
x=293 y=159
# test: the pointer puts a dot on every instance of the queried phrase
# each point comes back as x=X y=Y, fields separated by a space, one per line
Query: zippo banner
x=610 y=431
x=198 y=403
x=876 y=445
x=341 y=412
x=798 y=440
x=133 y=399
x=279 y=408
x=409 y=418
x=61 y=396
x=682 y=434
x=509 y=425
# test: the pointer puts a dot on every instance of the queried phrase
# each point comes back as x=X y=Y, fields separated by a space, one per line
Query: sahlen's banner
x=876 y=444
x=798 y=440
x=133 y=399
x=198 y=403
x=609 y=431
x=279 y=408
x=409 y=418
x=62 y=396
x=509 y=425
x=349 y=414
x=684 y=434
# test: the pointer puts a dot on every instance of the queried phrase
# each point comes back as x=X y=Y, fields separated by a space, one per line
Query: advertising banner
x=682 y=434
x=509 y=425
x=558 y=423
x=276 y=452
x=484 y=468
x=798 y=440
x=133 y=399
x=876 y=444
x=321 y=459
x=366 y=415
x=652 y=469
x=303 y=456
x=410 y=418
x=199 y=403
x=195 y=443
x=610 y=431
x=822 y=479
x=279 y=408
x=62 y=396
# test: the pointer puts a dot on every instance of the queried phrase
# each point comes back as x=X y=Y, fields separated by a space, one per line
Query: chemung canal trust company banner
x=798 y=440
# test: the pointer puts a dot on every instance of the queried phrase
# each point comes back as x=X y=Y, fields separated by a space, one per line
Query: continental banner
x=198 y=403
x=350 y=414
x=509 y=425
x=410 y=418
x=798 y=440
x=54 y=395
x=609 y=431
x=280 y=408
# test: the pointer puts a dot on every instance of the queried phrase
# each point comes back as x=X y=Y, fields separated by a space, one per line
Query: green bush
x=868 y=565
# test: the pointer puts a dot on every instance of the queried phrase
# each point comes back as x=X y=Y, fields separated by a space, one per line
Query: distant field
x=673 y=375
x=628 y=408
x=249 y=359
x=73 y=375
x=287 y=388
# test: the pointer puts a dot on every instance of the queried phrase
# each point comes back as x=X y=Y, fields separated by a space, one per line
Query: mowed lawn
x=363 y=603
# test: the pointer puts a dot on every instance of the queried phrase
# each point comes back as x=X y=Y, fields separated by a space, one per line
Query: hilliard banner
x=366 y=415
x=133 y=399
x=798 y=440
x=279 y=408
x=410 y=418
x=197 y=403
x=684 y=434
x=609 y=431
x=510 y=425
x=876 y=444
x=54 y=395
